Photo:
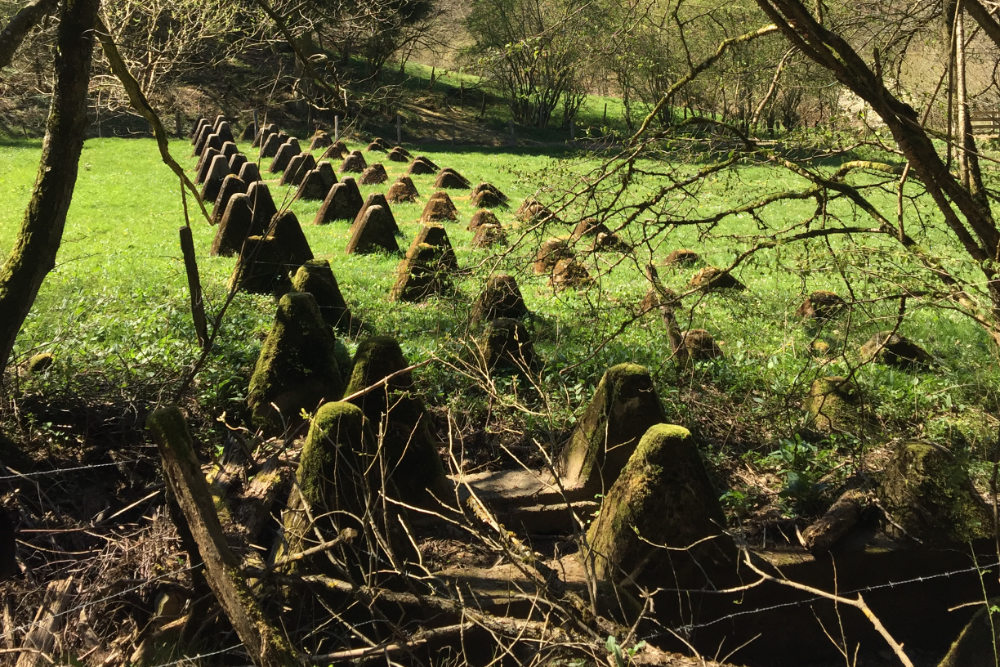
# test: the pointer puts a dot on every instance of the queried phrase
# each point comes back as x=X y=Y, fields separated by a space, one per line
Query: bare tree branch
x=143 y=106
x=20 y=25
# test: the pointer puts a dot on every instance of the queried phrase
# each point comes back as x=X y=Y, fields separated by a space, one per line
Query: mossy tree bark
x=34 y=252
x=264 y=642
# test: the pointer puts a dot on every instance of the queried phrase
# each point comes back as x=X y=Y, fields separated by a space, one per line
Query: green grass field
x=115 y=313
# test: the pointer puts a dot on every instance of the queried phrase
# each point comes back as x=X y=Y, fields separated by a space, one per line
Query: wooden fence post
x=194 y=287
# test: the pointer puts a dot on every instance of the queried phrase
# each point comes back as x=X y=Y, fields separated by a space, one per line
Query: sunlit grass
x=116 y=306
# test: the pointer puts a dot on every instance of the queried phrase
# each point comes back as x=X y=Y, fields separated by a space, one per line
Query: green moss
x=330 y=482
x=297 y=368
x=421 y=274
x=40 y=362
x=664 y=496
x=657 y=434
x=376 y=358
x=927 y=491
x=334 y=440
x=833 y=405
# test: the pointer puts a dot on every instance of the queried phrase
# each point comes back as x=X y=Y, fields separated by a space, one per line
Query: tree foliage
x=534 y=52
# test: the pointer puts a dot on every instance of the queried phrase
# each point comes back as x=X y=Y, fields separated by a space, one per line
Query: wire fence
x=190 y=659
x=12 y=632
x=982 y=569
x=61 y=471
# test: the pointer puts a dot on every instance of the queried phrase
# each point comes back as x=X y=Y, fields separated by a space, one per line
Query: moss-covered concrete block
x=487 y=195
x=625 y=405
x=481 y=217
x=376 y=231
x=403 y=190
x=287 y=232
x=270 y=146
x=316 y=278
x=285 y=153
x=320 y=139
x=330 y=482
x=262 y=205
x=894 y=349
x=927 y=492
x=435 y=236
x=235 y=225
x=231 y=185
x=439 y=208
x=329 y=471
x=821 y=305
x=489 y=235
x=297 y=368
x=501 y=297
x=663 y=497
x=712 y=278
x=506 y=344
x=314 y=186
x=41 y=362
x=354 y=163
x=548 y=255
x=420 y=274
x=450 y=179
x=343 y=202
x=976 y=645
x=408 y=458
x=835 y=406
x=569 y=273
x=374 y=174
x=377 y=199
x=421 y=165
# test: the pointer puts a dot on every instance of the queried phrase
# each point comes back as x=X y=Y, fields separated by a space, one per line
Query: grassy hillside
x=114 y=313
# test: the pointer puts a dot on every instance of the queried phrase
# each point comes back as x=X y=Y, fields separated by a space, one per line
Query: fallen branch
x=264 y=642
x=422 y=604
x=418 y=639
x=48 y=621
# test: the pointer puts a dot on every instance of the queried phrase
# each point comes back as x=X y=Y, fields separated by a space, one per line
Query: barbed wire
x=814 y=598
x=192 y=658
x=59 y=471
x=27 y=626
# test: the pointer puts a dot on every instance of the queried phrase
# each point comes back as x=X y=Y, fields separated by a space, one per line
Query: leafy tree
x=533 y=52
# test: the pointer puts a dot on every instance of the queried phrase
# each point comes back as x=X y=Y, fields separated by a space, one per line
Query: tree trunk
x=264 y=642
x=34 y=252
x=969 y=220
x=960 y=98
